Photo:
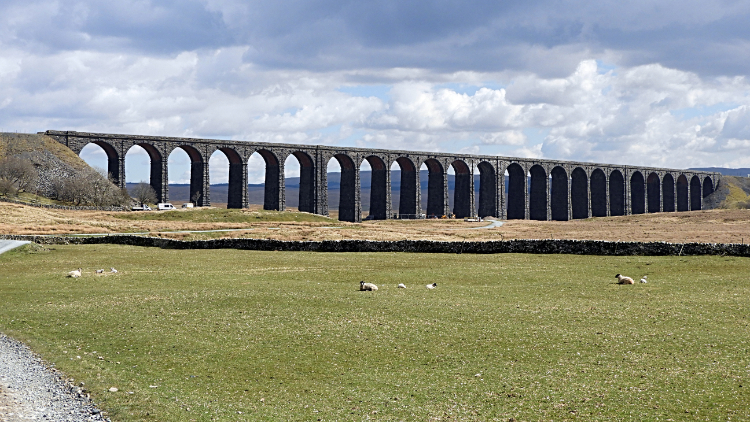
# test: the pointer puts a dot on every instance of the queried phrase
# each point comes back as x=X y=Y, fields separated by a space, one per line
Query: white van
x=187 y=205
x=165 y=206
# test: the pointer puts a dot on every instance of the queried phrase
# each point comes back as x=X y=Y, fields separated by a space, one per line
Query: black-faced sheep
x=369 y=287
x=431 y=286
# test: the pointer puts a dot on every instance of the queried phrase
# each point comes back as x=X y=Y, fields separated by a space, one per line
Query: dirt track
x=719 y=226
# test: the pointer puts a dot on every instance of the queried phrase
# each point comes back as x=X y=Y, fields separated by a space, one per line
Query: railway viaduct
x=509 y=188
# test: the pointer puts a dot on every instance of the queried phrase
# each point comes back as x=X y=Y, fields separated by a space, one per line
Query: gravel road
x=30 y=390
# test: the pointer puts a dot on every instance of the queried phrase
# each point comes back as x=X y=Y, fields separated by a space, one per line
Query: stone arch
x=487 y=190
x=408 y=203
x=616 y=193
x=598 y=193
x=516 y=192
x=378 y=187
x=708 y=186
x=667 y=193
x=579 y=193
x=653 y=187
x=348 y=188
x=537 y=193
x=683 y=203
x=695 y=194
x=198 y=175
x=435 y=188
x=462 y=192
x=237 y=183
x=306 y=181
x=637 y=193
x=113 y=161
x=559 y=194
x=156 y=170
x=272 y=181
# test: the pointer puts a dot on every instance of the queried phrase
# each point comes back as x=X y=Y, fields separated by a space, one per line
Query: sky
x=648 y=83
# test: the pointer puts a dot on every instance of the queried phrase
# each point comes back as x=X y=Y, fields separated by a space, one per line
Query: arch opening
x=537 y=193
x=299 y=172
x=180 y=158
x=487 y=190
x=598 y=193
x=696 y=198
x=579 y=194
x=462 y=199
x=377 y=202
x=405 y=179
x=654 y=193
x=265 y=180
x=436 y=189
x=226 y=166
x=667 y=195
x=708 y=187
x=637 y=193
x=145 y=156
x=347 y=192
x=682 y=194
x=616 y=193
x=91 y=153
x=516 y=192
x=559 y=194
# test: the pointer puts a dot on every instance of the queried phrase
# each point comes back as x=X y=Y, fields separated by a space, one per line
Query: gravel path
x=29 y=390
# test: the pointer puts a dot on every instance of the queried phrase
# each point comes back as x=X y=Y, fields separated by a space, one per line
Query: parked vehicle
x=143 y=207
x=187 y=205
x=165 y=206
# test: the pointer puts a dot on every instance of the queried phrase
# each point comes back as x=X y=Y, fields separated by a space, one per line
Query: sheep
x=75 y=273
x=367 y=286
x=643 y=280
x=112 y=270
x=100 y=271
x=431 y=286
x=624 y=280
x=401 y=286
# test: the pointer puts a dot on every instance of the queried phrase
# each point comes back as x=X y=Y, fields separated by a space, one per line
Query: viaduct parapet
x=535 y=189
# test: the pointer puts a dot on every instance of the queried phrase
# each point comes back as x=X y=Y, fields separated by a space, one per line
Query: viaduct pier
x=509 y=188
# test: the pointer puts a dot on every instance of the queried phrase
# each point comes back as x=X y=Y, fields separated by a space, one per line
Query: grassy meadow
x=240 y=335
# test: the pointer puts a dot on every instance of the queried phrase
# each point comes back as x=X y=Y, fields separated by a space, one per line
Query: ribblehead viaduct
x=509 y=188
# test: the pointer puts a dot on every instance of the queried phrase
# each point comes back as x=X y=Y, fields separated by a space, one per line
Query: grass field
x=205 y=335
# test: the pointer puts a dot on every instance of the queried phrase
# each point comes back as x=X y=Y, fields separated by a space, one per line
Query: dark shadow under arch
x=487 y=190
x=306 y=182
x=559 y=194
x=272 y=181
x=683 y=203
x=538 y=193
x=653 y=187
x=378 y=188
x=579 y=194
x=516 y=192
x=637 y=193
x=435 y=188
x=462 y=191
x=616 y=193
x=696 y=198
x=598 y=193
x=667 y=193
x=348 y=186
x=408 y=202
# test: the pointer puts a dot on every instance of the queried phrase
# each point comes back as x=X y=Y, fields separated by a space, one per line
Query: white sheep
x=100 y=271
x=431 y=286
x=367 y=286
x=75 y=273
x=401 y=286
x=643 y=280
x=112 y=270
x=624 y=280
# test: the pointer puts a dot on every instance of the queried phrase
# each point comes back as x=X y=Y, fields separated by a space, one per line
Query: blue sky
x=651 y=83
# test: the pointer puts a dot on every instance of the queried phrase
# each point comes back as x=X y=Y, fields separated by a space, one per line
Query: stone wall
x=574 y=247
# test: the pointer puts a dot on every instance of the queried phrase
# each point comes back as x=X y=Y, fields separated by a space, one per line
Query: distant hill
x=741 y=172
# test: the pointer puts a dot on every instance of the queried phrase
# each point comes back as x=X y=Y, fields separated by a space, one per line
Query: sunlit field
x=240 y=335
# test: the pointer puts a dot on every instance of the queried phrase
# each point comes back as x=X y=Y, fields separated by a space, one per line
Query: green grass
x=218 y=215
x=287 y=336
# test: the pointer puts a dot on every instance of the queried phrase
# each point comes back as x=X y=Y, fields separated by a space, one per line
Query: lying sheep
x=431 y=286
x=624 y=280
x=75 y=273
x=401 y=286
x=643 y=280
x=367 y=286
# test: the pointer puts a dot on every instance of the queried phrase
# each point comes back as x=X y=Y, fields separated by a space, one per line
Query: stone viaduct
x=509 y=188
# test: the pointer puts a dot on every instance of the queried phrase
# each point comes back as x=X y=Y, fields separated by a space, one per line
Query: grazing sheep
x=367 y=286
x=100 y=271
x=401 y=286
x=75 y=273
x=624 y=280
x=431 y=286
x=643 y=280
x=112 y=270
